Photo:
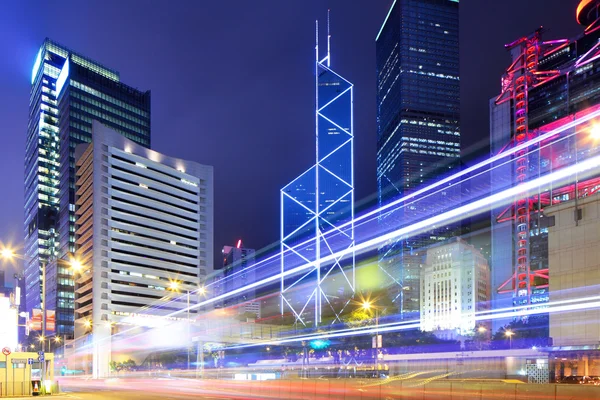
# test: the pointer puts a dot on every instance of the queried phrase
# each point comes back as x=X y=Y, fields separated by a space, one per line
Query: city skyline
x=421 y=184
x=146 y=71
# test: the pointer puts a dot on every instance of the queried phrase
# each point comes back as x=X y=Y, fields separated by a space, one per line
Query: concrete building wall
x=574 y=269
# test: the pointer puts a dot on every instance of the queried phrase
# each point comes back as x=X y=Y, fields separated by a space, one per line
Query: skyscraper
x=144 y=227
x=548 y=86
x=317 y=208
x=237 y=272
x=68 y=91
x=418 y=131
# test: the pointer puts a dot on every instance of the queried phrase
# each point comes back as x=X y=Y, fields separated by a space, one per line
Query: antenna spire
x=328 y=40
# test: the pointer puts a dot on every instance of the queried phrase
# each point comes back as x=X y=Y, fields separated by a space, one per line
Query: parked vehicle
x=577 y=380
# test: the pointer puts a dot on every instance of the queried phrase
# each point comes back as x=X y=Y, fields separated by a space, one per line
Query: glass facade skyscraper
x=317 y=209
x=68 y=92
x=418 y=132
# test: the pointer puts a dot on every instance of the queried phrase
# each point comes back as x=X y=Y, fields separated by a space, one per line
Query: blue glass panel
x=330 y=85
x=338 y=163
x=338 y=111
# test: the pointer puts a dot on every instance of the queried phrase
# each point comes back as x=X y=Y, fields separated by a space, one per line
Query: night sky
x=232 y=85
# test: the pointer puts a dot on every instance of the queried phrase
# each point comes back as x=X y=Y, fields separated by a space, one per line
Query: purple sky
x=232 y=84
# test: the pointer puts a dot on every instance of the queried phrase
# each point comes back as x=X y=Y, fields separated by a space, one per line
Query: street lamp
x=175 y=286
x=510 y=335
x=595 y=131
x=367 y=306
x=482 y=330
x=9 y=254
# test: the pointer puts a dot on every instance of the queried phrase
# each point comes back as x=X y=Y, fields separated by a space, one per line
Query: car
x=594 y=380
x=577 y=379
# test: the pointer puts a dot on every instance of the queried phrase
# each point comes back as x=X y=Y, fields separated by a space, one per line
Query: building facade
x=144 y=221
x=455 y=284
x=574 y=267
x=418 y=128
x=68 y=91
x=317 y=209
x=574 y=240
x=550 y=86
x=237 y=272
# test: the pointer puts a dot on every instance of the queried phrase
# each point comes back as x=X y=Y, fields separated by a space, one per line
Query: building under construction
x=549 y=84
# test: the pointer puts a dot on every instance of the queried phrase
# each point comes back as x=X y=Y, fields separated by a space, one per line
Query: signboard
x=36 y=320
x=50 y=320
x=9 y=324
x=19 y=361
x=377 y=342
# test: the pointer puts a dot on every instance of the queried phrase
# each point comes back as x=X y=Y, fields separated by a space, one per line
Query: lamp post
x=9 y=254
x=367 y=306
x=174 y=286
x=510 y=335
x=482 y=329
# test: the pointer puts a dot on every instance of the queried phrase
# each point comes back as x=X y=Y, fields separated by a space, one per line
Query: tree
x=526 y=333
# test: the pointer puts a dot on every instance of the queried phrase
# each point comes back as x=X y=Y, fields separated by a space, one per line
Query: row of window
x=110 y=99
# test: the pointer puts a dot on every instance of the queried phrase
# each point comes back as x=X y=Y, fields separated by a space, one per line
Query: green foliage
x=128 y=365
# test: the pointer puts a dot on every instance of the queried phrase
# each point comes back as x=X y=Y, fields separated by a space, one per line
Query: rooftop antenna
x=328 y=41
x=317 y=39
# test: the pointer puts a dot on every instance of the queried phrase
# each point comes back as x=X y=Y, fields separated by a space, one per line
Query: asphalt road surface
x=110 y=394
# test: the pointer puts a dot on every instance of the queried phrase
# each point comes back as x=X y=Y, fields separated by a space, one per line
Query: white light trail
x=440 y=184
x=476 y=206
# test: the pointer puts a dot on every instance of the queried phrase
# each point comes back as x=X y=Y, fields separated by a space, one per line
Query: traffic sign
x=30 y=361
x=40 y=353
x=41 y=358
x=6 y=351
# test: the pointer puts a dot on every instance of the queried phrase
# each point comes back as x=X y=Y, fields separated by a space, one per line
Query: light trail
x=358 y=221
x=432 y=222
x=469 y=209
x=406 y=325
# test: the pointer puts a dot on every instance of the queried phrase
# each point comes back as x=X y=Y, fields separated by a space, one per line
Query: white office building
x=144 y=227
x=455 y=283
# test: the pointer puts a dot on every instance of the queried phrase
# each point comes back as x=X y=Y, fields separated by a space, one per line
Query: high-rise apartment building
x=550 y=86
x=418 y=130
x=455 y=285
x=144 y=227
x=237 y=272
x=68 y=91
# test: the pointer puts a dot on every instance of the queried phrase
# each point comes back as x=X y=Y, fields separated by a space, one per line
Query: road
x=149 y=389
x=125 y=394
x=312 y=389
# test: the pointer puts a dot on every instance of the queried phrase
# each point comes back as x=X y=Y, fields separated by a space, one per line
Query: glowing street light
x=88 y=323
x=174 y=286
x=595 y=131
x=76 y=265
x=481 y=329
x=510 y=335
x=7 y=253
